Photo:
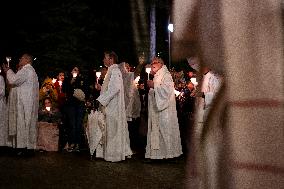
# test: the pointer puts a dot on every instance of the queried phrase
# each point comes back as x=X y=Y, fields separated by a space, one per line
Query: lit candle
x=98 y=74
x=148 y=70
x=54 y=80
x=8 y=59
x=47 y=108
x=74 y=74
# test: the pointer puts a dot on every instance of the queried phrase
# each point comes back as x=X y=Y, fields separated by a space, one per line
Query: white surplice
x=3 y=114
x=211 y=83
x=116 y=144
x=163 y=138
x=26 y=81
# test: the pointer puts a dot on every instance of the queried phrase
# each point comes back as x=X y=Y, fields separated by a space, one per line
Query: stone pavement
x=69 y=170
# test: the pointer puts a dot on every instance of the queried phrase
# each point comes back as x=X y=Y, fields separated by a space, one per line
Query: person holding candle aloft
x=76 y=91
x=26 y=81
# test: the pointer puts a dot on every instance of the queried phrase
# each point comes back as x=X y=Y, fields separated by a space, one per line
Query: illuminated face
x=155 y=66
x=23 y=61
x=127 y=67
x=61 y=76
x=47 y=103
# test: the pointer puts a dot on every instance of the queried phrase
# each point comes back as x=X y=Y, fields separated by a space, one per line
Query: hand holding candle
x=47 y=108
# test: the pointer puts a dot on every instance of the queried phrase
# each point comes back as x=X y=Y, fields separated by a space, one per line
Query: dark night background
x=64 y=33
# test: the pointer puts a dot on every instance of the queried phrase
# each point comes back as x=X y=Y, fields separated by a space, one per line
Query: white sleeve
x=163 y=92
x=113 y=88
x=2 y=87
x=17 y=79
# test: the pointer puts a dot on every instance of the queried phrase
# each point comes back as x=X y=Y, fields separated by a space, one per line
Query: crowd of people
x=121 y=111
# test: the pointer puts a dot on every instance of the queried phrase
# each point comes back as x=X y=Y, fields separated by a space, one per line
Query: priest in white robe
x=163 y=138
x=115 y=144
x=26 y=81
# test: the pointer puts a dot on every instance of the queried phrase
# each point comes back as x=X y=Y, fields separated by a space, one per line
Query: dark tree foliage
x=63 y=33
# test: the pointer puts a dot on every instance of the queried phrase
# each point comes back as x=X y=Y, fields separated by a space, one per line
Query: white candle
x=47 y=108
x=98 y=74
x=74 y=74
x=148 y=70
x=8 y=59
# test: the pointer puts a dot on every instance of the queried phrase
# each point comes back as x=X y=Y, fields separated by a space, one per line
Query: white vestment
x=163 y=138
x=26 y=81
x=3 y=114
x=211 y=83
x=131 y=94
x=116 y=144
x=12 y=116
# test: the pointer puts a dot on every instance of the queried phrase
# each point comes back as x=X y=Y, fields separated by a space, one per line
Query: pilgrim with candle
x=59 y=85
x=76 y=91
x=49 y=120
x=48 y=112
